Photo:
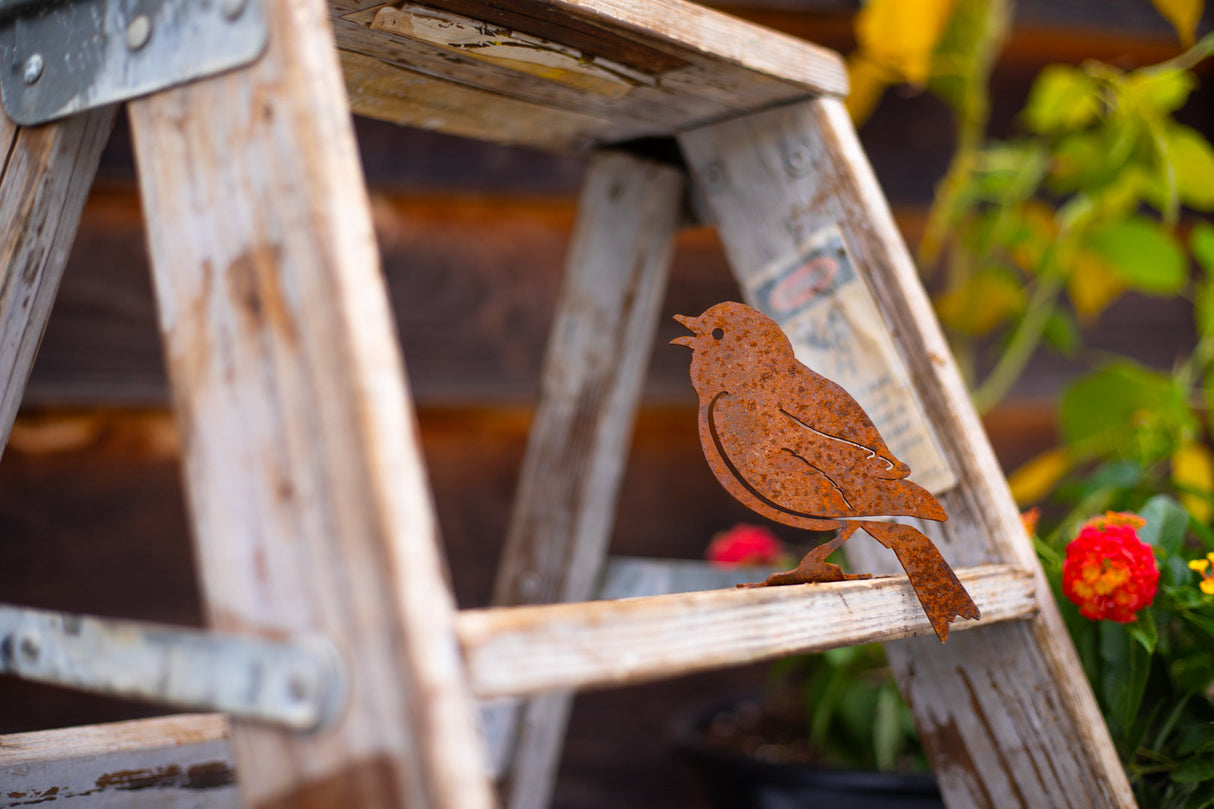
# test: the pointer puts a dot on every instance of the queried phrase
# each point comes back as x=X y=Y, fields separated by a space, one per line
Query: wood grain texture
x=600 y=342
x=309 y=503
x=46 y=177
x=388 y=92
x=675 y=64
x=173 y=762
x=684 y=29
x=1041 y=727
x=516 y=651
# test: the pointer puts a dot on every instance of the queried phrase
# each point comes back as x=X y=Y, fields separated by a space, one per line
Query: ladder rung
x=518 y=651
x=181 y=760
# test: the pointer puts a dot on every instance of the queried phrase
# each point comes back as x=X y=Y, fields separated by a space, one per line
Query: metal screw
x=796 y=160
x=714 y=176
x=138 y=32
x=30 y=646
x=33 y=69
x=232 y=8
x=299 y=686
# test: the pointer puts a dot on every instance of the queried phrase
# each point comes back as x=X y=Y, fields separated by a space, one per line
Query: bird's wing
x=820 y=406
x=750 y=442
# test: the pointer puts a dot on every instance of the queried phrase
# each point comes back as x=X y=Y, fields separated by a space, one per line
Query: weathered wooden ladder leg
x=599 y=347
x=47 y=173
x=1011 y=696
x=309 y=502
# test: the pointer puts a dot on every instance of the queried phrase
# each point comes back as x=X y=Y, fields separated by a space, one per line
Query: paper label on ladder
x=829 y=315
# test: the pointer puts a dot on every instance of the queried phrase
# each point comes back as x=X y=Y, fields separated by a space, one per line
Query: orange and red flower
x=1109 y=573
x=745 y=545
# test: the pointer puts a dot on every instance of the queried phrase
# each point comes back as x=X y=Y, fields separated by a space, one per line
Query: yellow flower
x=1202 y=566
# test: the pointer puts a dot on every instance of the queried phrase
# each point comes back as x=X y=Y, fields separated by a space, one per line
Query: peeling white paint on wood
x=516 y=651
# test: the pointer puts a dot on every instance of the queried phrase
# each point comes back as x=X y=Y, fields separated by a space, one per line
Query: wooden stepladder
x=311 y=511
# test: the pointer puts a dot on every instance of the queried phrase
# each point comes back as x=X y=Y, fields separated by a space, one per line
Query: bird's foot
x=812 y=570
x=808 y=572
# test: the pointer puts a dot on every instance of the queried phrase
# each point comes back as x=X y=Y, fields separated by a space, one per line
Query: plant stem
x=1024 y=341
x=1188 y=60
x=972 y=112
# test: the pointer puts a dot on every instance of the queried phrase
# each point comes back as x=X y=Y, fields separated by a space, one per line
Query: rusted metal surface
x=796 y=448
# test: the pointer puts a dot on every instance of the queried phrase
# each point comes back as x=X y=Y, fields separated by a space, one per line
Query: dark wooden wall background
x=473 y=236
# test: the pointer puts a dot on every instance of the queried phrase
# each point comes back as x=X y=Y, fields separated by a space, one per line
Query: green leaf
x=1202 y=622
x=1203 y=308
x=982 y=302
x=1062 y=333
x=1143 y=253
x=1164 y=90
x=1185 y=597
x=1143 y=630
x=1009 y=172
x=1092 y=284
x=1194 y=769
x=887 y=730
x=1125 y=669
x=1062 y=98
x=1192 y=159
x=1201 y=241
x=1167 y=522
x=1203 y=533
x=1099 y=411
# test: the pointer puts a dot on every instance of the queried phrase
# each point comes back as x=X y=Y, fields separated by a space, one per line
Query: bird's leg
x=814 y=567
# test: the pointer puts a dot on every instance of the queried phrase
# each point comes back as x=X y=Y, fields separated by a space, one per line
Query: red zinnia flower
x=1109 y=573
x=745 y=545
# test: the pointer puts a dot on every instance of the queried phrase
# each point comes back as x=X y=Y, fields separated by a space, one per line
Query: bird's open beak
x=688 y=340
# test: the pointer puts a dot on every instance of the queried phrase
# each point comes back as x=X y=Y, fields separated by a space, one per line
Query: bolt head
x=30 y=646
x=138 y=32
x=796 y=160
x=32 y=71
x=232 y=8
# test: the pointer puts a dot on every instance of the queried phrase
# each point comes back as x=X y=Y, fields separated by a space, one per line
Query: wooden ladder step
x=171 y=762
x=569 y=73
x=519 y=651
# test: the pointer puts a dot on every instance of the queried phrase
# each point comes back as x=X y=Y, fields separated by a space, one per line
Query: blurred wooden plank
x=516 y=651
x=174 y=762
x=1128 y=34
x=473 y=281
x=46 y=176
x=598 y=350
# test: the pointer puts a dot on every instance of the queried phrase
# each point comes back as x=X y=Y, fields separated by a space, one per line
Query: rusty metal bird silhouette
x=794 y=447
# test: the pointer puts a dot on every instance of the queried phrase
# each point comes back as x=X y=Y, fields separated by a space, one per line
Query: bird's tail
x=939 y=591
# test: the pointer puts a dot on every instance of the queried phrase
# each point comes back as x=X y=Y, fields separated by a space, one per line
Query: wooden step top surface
x=568 y=74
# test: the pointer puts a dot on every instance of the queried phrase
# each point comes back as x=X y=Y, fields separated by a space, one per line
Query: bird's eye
x=717 y=334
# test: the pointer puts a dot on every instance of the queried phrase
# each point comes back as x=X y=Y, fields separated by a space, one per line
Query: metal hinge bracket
x=59 y=57
x=297 y=683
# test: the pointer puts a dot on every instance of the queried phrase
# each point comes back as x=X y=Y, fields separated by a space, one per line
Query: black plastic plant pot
x=730 y=780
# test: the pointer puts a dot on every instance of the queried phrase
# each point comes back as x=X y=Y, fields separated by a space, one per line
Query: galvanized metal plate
x=298 y=683
x=74 y=55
